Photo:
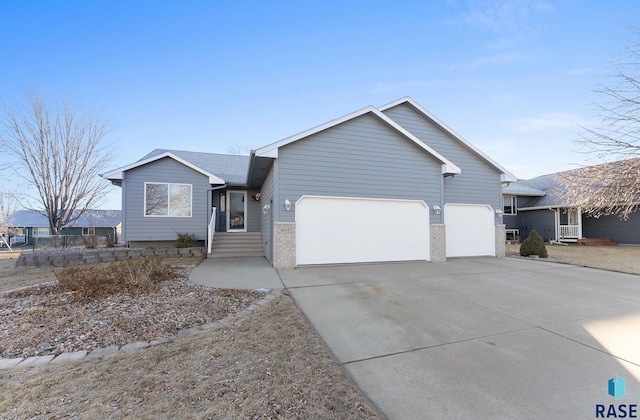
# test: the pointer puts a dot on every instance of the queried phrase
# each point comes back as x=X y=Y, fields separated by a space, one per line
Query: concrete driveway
x=478 y=338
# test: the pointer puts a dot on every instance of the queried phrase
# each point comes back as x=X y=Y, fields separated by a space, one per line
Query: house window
x=510 y=204
x=16 y=231
x=86 y=231
x=41 y=232
x=170 y=200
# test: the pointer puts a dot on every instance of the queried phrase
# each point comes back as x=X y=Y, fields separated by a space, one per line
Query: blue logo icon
x=616 y=387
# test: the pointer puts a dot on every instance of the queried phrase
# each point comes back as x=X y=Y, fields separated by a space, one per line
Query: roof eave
x=271 y=150
x=116 y=174
x=505 y=175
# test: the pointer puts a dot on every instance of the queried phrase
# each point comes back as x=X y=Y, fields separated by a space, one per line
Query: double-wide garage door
x=331 y=230
x=470 y=230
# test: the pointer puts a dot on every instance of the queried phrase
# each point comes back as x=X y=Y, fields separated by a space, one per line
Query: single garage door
x=332 y=230
x=470 y=230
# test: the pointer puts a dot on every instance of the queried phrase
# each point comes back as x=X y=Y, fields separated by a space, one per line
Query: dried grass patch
x=12 y=277
x=89 y=282
x=268 y=365
x=625 y=259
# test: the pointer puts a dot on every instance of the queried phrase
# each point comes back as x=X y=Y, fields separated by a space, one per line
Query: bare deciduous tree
x=59 y=152
x=612 y=187
x=8 y=205
x=608 y=188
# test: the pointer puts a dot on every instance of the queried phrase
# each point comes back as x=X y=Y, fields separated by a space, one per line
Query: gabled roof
x=553 y=186
x=220 y=169
x=523 y=187
x=231 y=168
x=271 y=150
x=506 y=176
x=90 y=218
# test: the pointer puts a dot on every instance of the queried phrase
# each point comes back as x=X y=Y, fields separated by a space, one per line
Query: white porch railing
x=17 y=240
x=569 y=231
x=211 y=230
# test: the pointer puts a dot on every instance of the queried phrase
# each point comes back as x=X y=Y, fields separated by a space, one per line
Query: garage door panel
x=333 y=230
x=470 y=230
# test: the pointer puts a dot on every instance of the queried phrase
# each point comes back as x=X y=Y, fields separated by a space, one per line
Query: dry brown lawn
x=270 y=364
x=12 y=277
x=625 y=259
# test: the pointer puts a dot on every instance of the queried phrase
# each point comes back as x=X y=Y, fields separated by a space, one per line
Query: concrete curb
x=20 y=362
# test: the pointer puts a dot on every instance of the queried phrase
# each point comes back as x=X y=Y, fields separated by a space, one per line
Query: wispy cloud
x=578 y=72
x=504 y=16
x=509 y=20
x=505 y=58
x=547 y=121
x=385 y=87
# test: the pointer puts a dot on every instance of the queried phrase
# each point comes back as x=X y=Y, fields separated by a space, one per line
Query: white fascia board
x=448 y=167
x=271 y=150
x=116 y=174
x=506 y=176
x=549 y=207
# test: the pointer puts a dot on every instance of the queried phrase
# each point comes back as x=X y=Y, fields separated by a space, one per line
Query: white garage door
x=331 y=230
x=470 y=230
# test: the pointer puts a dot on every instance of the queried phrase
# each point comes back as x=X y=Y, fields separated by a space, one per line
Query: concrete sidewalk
x=236 y=273
x=478 y=338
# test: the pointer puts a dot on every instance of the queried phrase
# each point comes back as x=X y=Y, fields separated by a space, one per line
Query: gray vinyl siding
x=542 y=221
x=620 y=231
x=362 y=157
x=479 y=183
x=512 y=221
x=138 y=227
x=254 y=210
x=266 y=219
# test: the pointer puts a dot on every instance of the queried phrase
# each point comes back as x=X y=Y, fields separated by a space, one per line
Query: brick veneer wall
x=438 y=242
x=284 y=245
x=501 y=239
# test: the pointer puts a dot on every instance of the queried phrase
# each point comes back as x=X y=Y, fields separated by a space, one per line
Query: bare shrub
x=91 y=241
x=186 y=240
x=86 y=283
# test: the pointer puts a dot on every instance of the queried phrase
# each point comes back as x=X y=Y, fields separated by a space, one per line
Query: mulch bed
x=44 y=320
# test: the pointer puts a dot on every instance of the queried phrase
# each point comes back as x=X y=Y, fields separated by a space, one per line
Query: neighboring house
x=380 y=184
x=25 y=225
x=538 y=204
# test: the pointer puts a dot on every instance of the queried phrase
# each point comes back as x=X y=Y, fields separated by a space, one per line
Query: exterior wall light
x=499 y=212
x=287 y=205
x=436 y=209
x=266 y=208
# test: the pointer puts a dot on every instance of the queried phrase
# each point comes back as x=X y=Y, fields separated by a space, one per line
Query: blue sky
x=515 y=78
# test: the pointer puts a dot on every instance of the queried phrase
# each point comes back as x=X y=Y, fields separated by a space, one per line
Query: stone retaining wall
x=65 y=259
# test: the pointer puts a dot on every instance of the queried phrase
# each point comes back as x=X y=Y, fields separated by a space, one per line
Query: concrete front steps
x=596 y=241
x=237 y=244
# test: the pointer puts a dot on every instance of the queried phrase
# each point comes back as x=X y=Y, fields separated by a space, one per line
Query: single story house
x=539 y=204
x=25 y=225
x=387 y=183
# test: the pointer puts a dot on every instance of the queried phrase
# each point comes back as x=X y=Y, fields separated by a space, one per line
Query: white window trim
x=228 y=202
x=514 y=205
x=90 y=230
x=36 y=233
x=144 y=209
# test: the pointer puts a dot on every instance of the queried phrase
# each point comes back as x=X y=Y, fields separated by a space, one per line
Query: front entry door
x=236 y=211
